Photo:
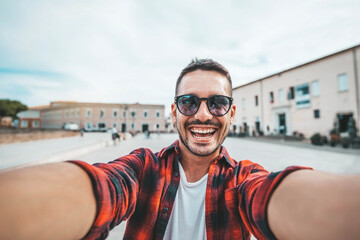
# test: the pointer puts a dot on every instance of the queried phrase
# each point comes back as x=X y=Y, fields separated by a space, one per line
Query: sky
x=127 y=51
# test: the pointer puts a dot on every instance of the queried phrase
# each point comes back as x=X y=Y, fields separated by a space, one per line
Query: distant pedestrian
x=115 y=135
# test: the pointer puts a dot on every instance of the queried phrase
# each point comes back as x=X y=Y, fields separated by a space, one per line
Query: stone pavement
x=50 y=150
x=272 y=155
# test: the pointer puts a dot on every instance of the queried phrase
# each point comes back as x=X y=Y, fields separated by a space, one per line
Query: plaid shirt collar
x=223 y=156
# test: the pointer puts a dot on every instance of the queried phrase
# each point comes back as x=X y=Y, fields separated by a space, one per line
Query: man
x=190 y=190
x=115 y=134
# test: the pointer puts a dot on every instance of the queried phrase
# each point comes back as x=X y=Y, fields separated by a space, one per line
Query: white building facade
x=313 y=97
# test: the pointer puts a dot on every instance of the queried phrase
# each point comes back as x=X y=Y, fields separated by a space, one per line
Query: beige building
x=101 y=116
x=31 y=118
x=312 y=97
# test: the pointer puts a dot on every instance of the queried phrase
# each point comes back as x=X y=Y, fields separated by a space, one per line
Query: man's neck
x=195 y=167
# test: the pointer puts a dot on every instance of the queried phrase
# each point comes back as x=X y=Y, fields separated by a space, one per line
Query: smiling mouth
x=201 y=133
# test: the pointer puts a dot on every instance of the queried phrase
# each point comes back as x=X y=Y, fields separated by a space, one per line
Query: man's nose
x=203 y=113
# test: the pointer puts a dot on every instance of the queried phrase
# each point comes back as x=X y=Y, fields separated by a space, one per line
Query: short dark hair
x=205 y=65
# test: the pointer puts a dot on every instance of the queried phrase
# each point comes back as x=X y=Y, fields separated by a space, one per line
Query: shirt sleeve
x=255 y=188
x=116 y=186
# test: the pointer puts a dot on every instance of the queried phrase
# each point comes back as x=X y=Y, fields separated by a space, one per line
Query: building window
x=77 y=112
x=302 y=96
x=342 y=82
x=133 y=113
x=102 y=113
x=124 y=113
x=157 y=126
x=281 y=95
x=256 y=100
x=114 y=125
x=291 y=93
x=145 y=114
x=115 y=113
x=315 y=89
x=35 y=124
x=271 y=97
x=24 y=123
x=88 y=112
x=72 y=113
x=243 y=103
x=133 y=126
x=158 y=114
x=317 y=113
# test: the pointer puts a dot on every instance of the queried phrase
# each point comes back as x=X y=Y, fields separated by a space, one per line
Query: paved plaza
x=92 y=148
x=274 y=155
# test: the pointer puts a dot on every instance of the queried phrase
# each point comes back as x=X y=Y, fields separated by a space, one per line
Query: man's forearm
x=315 y=205
x=51 y=201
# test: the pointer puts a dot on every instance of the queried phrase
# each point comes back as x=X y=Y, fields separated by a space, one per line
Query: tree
x=11 y=108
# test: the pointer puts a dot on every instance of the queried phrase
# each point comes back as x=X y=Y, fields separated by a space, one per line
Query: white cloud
x=133 y=51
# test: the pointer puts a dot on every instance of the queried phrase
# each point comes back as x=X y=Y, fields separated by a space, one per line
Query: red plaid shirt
x=142 y=186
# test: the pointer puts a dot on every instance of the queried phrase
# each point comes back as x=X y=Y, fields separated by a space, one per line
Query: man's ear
x=232 y=114
x=173 y=113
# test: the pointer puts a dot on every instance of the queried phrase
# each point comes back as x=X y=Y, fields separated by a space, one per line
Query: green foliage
x=345 y=142
x=11 y=108
x=317 y=139
x=352 y=130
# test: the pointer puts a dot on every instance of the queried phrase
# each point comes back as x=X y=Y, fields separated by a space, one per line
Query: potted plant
x=316 y=139
x=345 y=142
x=334 y=137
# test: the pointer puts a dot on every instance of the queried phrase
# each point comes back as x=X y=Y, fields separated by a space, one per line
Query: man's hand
x=316 y=205
x=51 y=201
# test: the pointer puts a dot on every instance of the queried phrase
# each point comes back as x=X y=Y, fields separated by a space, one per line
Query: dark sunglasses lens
x=219 y=105
x=188 y=105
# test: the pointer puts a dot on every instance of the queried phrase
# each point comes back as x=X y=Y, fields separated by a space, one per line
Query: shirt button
x=176 y=174
x=165 y=210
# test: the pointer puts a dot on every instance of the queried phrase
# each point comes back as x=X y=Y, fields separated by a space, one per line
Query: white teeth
x=202 y=137
x=202 y=131
x=194 y=130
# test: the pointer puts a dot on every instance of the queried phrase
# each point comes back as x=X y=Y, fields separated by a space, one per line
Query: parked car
x=71 y=126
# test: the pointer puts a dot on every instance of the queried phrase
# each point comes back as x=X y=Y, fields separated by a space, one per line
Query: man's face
x=202 y=133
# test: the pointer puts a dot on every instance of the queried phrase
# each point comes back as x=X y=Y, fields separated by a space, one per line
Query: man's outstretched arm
x=316 y=205
x=51 y=201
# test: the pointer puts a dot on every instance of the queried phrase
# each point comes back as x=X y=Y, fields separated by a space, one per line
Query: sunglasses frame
x=207 y=103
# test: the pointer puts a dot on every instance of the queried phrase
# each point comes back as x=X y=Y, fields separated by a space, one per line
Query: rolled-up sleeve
x=254 y=192
x=116 y=186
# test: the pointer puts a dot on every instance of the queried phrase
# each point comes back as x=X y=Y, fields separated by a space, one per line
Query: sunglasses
x=218 y=105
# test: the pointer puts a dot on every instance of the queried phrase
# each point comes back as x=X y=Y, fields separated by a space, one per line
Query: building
x=31 y=118
x=101 y=116
x=313 y=97
x=6 y=121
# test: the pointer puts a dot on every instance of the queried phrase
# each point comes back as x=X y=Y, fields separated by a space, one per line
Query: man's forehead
x=201 y=80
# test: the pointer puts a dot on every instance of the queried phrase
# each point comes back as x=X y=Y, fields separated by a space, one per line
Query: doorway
x=344 y=122
x=257 y=126
x=282 y=123
x=145 y=127
x=123 y=127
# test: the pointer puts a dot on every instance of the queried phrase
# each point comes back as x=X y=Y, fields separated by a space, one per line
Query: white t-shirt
x=187 y=219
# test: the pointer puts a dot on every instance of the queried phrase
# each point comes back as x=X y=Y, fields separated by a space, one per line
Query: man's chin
x=203 y=153
x=201 y=149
